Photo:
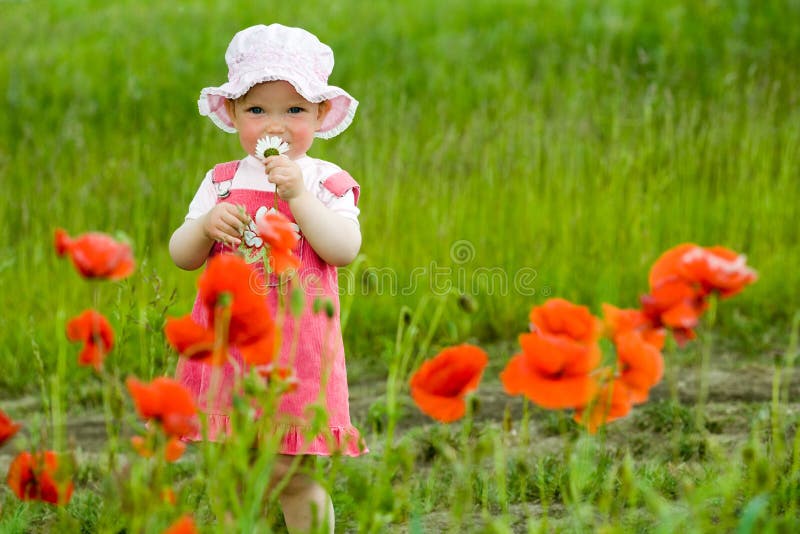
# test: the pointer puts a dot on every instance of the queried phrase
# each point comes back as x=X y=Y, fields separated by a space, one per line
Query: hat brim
x=343 y=106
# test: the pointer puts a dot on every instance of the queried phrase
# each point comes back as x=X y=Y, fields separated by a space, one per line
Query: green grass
x=568 y=143
x=509 y=150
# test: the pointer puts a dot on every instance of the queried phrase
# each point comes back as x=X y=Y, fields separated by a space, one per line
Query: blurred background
x=508 y=152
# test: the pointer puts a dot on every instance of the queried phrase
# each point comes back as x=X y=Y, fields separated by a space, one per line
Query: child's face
x=276 y=109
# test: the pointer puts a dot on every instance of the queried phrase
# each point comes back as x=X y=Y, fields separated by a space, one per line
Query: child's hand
x=286 y=175
x=225 y=222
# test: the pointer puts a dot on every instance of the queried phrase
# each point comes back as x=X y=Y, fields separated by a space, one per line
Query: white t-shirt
x=250 y=175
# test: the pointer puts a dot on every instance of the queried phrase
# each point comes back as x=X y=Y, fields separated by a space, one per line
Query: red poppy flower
x=7 y=428
x=640 y=365
x=174 y=449
x=193 y=341
x=441 y=383
x=620 y=321
x=96 y=255
x=238 y=317
x=717 y=269
x=184 y=525
x=277 y=231
x=612 y=402
x=97 y=336
x=669 y=265
x=166 y=401
x=552 y=371
x=677 y=304
x=681 y=279
x=563 y=318
x=37 y=477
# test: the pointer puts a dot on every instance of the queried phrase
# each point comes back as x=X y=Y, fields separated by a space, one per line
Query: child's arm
x=336 y=239
x=190 y=244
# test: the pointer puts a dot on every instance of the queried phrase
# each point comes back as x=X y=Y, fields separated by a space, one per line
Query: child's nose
x=274 y=125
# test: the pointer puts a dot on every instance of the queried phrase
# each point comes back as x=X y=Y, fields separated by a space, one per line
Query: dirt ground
x=731 y=390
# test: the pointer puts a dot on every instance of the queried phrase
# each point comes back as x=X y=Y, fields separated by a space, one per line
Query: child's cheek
x=249 y=139
x=302 y=140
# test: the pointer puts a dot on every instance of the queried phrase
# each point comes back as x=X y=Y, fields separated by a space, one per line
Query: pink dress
x=319 y=354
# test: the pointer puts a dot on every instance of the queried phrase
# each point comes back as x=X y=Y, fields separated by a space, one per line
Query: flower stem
x=108 y=412
x=794 y=470
x=56 y=408
x=778 y=439
x=398 y=366
x=671 y=373
x=671 y=370
x=705 y=362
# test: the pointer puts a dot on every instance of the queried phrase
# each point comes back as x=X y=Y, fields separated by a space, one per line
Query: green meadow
x=508 y=152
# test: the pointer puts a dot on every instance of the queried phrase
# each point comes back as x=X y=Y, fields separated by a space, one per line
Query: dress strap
x=340 y=183
x=224 y=171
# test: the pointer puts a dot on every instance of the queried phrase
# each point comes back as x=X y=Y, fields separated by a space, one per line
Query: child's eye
x=255 y=110
x=295 y=109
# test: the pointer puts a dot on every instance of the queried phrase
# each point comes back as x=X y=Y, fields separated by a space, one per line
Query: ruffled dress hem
x=344 y=440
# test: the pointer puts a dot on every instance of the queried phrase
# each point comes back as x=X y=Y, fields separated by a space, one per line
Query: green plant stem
x=346 y=298
x=671 y=368
x=465 y=465
x=433 y=325
x=544 y=497
x=282 y=483
x=111 y=432
x=399 y=361
x=776 y=415
x=794 y=474
x=524 y=427
x=500 y=470
x=777 y=411
x=212 y=454
x=791 y=355
x=705 y=362
x=56 y=406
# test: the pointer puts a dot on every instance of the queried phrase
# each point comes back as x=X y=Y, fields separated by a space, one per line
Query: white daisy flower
x=270 y=146
x=250 y=234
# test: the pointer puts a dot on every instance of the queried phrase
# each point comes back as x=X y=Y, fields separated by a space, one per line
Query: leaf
x=751 y=513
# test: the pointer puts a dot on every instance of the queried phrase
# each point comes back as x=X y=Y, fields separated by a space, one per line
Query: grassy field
x=507 y=150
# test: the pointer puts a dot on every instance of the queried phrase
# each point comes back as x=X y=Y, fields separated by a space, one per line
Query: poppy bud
x=508 y=423
x=474 y=404
x=467 y=303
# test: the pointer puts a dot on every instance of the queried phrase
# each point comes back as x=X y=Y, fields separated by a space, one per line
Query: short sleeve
x=204 y=199
x=341 y=182
x=339 y=192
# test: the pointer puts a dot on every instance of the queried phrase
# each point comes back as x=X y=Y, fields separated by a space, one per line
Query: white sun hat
x=276 y=52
